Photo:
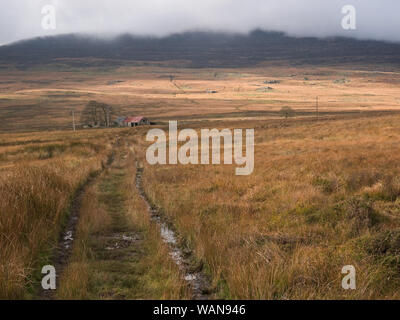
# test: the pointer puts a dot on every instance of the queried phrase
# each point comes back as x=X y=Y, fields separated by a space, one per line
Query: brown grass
x=321 y=196
x=36 y=186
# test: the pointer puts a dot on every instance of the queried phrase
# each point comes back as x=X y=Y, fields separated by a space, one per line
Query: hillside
x=202 y=49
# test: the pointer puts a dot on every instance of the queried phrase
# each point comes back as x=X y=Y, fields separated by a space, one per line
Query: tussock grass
x=35 y=198
x=323 y=195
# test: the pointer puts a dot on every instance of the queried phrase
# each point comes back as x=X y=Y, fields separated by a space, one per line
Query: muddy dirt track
x=195 y=278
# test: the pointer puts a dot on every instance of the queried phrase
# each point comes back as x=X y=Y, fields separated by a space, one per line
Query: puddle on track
x=197 y=280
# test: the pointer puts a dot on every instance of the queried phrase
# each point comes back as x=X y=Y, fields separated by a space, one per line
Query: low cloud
x=21 y=19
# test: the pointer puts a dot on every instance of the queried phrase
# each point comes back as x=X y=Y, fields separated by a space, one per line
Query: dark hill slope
x=203 y=49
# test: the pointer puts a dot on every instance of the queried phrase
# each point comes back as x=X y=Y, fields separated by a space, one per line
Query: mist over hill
x=202 y=49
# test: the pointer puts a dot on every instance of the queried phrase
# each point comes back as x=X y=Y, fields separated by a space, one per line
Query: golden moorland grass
x=39 y=174
x=323 y=195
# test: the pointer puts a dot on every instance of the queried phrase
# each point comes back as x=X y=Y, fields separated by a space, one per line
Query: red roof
x=134 y=119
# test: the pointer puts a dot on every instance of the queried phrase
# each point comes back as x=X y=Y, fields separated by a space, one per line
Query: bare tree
x=97 y=114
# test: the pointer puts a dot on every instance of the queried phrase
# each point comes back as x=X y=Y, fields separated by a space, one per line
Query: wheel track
x=197 y=280
x=64 y=248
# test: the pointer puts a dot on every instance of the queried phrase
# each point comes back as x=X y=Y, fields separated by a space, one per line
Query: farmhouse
x=136 y=121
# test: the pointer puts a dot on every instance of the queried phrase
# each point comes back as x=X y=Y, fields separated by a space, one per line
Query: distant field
x=41 y=98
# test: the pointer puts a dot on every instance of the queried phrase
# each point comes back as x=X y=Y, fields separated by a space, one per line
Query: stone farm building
x=136 y=121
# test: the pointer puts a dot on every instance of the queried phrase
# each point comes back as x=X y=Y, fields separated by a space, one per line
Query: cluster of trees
x=97 y=114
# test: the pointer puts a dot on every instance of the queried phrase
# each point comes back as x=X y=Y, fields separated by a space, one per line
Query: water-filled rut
x=197 y=280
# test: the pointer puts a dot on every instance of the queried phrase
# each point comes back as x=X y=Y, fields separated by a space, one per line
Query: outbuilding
x=136 y=121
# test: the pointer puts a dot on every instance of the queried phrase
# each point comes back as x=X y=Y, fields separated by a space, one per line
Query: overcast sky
x=376 y=19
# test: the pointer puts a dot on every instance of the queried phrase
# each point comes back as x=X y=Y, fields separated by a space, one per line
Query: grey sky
x=376 y=19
